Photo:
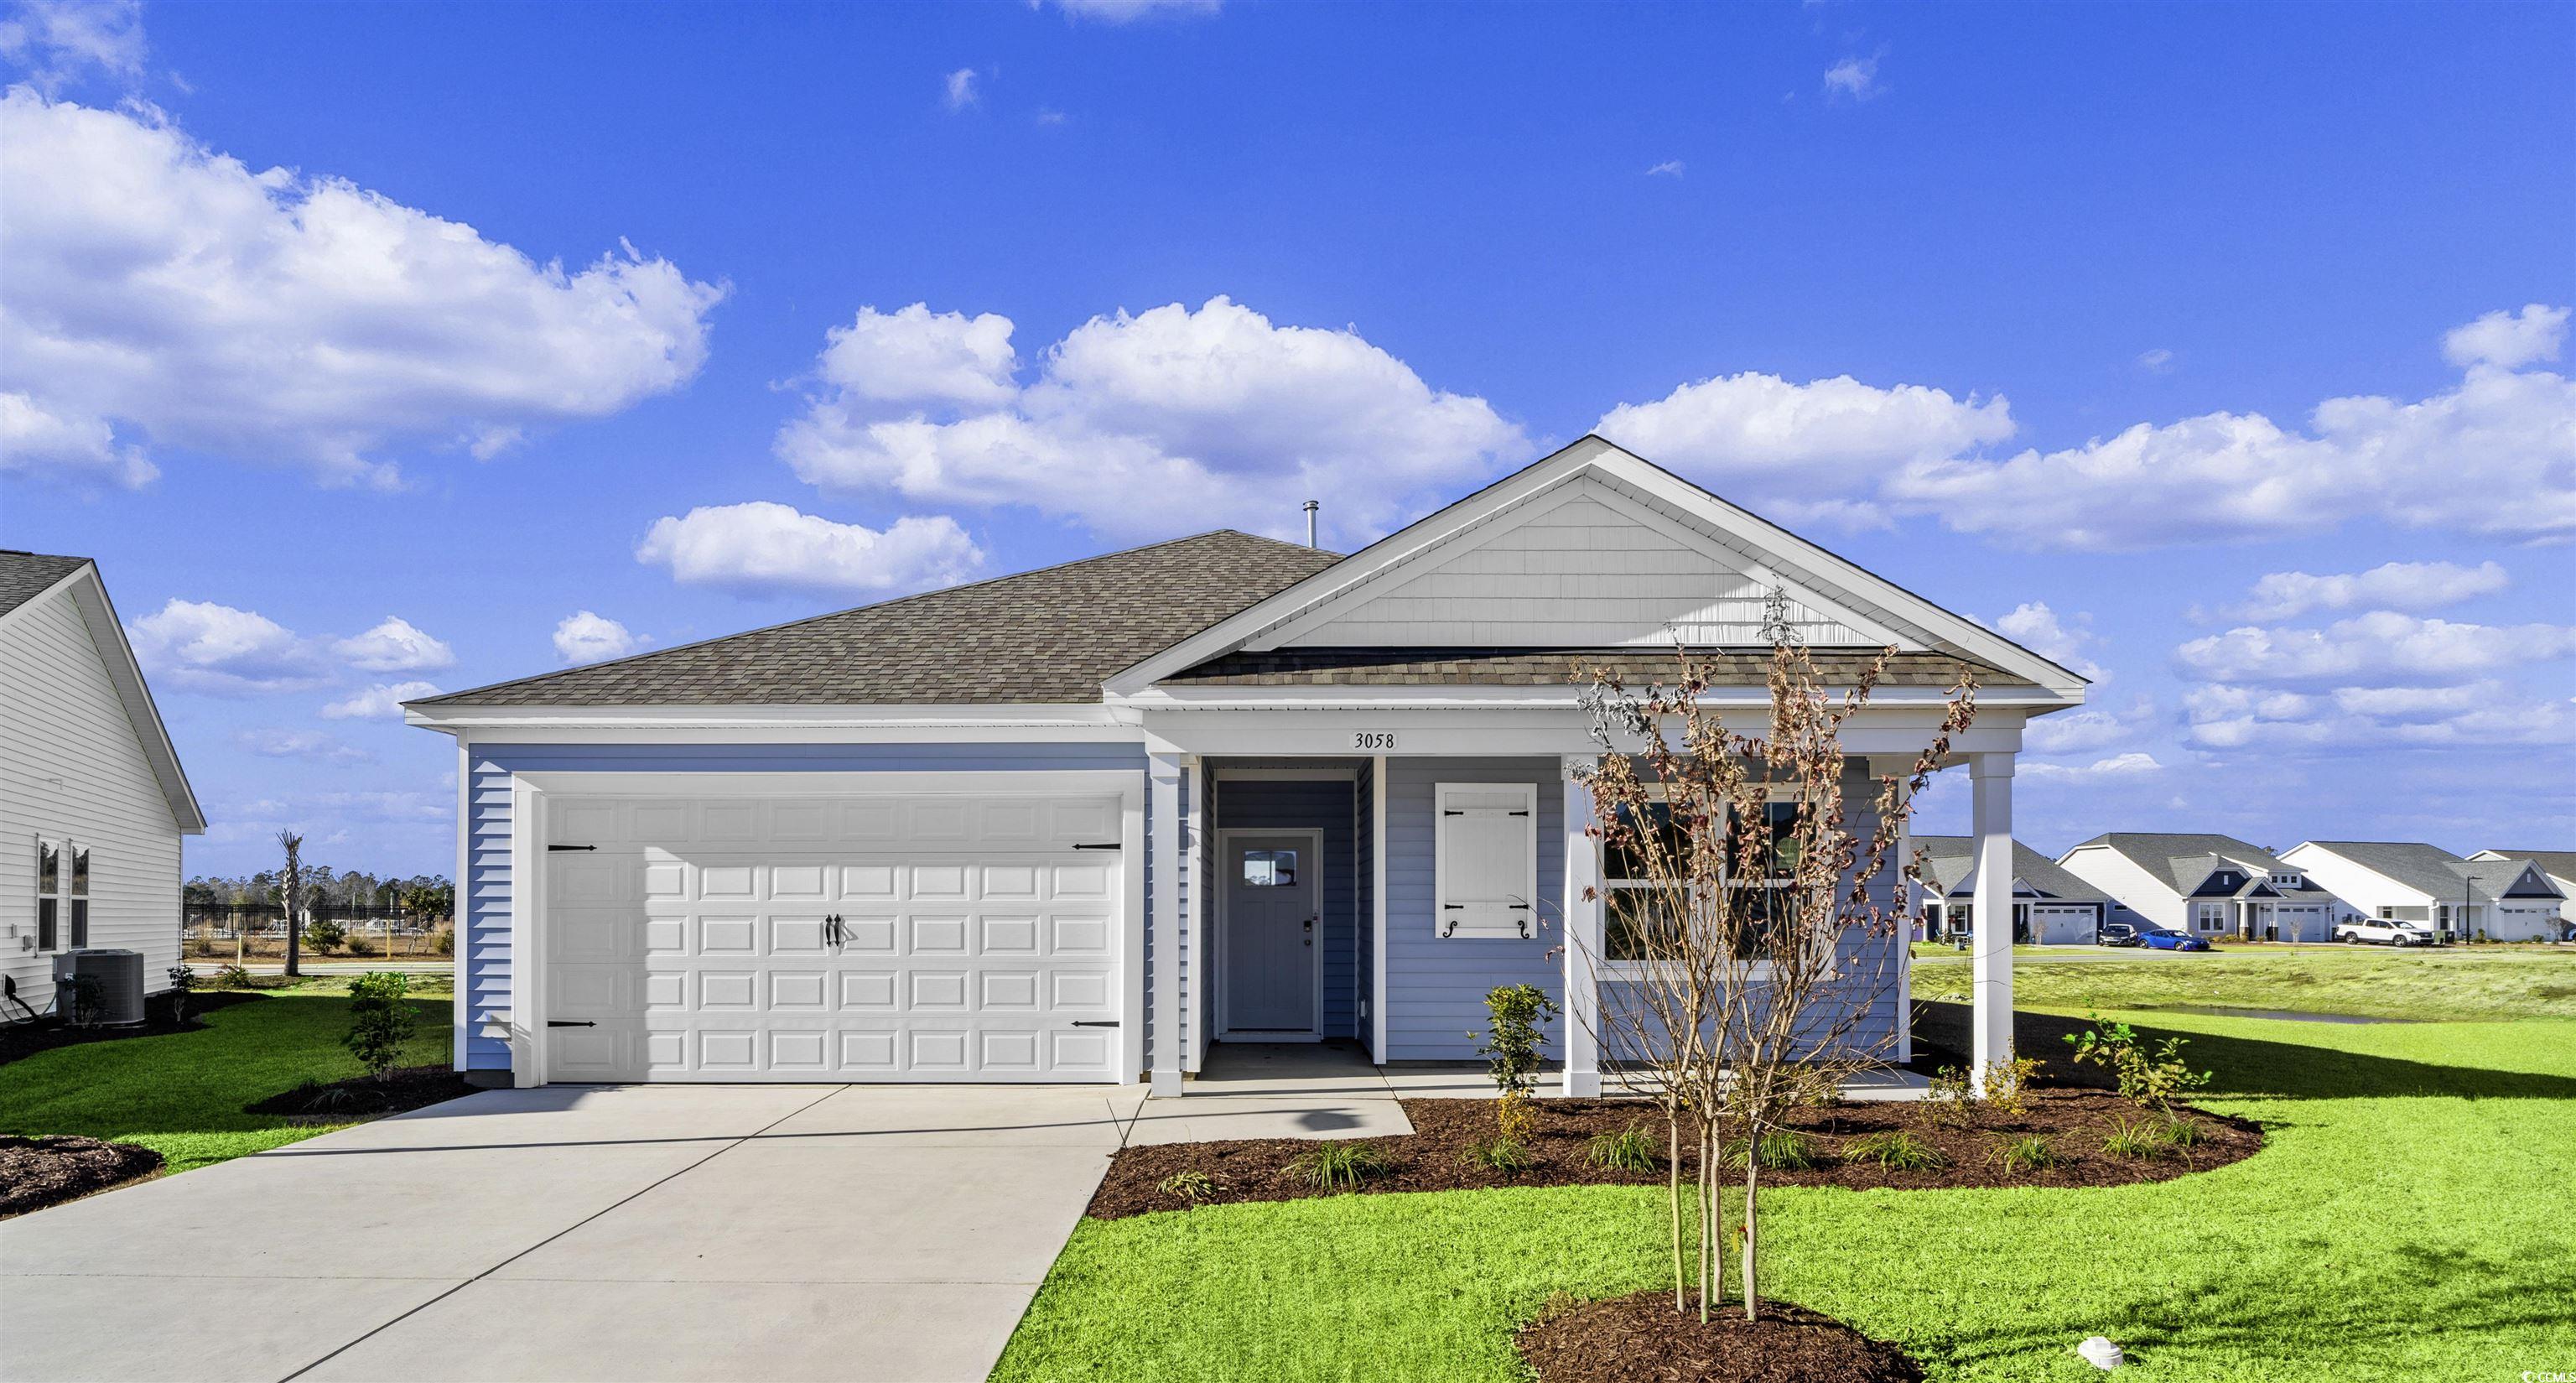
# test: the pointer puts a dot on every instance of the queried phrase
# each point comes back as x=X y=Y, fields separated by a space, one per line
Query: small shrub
x=2147 y=1078
x=379 y=1021
x=82 y=998
x=1895 y=1151
x=360 y=946
x=1514 y=1014
x=1340 y=1163
x=1189 y=1186
x=1945 y=1100
x=2008 y=1084
x=443 y=941
x=232 y=977
x=1780 y=1149
x=324 y=934
x=2136 y=1139
x=1631 y=1149
x=182 y=980
x=201 y=946
x=1500 y=1155
x=2017 y=1155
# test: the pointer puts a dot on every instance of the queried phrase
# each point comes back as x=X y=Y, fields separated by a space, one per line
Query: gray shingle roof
x=2430 y=869
x=1530 y=667
x=1047 y=636
x=1950 y=860
x=26 y=575
x=2561 y=863
x=2183 y=861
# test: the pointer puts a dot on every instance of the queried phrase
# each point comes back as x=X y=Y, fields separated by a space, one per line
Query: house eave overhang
x=1015 y=720
x=1594 y=455
x=1183 y=697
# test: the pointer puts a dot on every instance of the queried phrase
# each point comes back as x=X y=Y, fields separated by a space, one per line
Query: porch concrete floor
x=1276 y=1090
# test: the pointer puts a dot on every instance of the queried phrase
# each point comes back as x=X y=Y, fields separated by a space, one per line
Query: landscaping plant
x=291 y=891
x=380 y=1020
x=1514 y=1013
x=326 y=933
x=2136 y=1138
x=232 y=977
x=1758 y=920
x=1946 y=1097
x=1628 y=1150
x=1501 y=1155
x=1190 y=1185
x=2008 y=1085
x=1896 y=1150
x=2148 y=1078
x=2025 y=1154
x=182 y=979
x=1781 y=1150
x=1341 y=1163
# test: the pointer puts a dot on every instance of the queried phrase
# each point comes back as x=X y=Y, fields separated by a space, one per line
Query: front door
x=1272 y=884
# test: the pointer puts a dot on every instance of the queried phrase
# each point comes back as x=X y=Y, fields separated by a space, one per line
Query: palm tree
x=293 y=884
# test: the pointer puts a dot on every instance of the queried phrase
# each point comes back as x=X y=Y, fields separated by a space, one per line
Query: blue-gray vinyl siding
x=1435 y=985
x=1325 y=806
x=1364 y=918
x=483 y=949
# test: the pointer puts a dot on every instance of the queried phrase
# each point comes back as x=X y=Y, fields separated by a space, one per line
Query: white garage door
x=831 y=939
x=2301 y=921
x=2061 y=924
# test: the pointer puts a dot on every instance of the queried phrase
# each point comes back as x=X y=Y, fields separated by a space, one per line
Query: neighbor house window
x=1485 y=860
x=78 y=901
x=49 y=894
x=2211 y=917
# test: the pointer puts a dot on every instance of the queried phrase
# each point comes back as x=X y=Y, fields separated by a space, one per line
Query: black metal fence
x=214 y=929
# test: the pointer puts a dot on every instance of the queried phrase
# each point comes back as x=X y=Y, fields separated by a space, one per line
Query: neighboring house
x=1081 y=823
x=2560 y=866
x=92 y=798
x=2206 y=885
x=2050 y=906
x=2468 y=900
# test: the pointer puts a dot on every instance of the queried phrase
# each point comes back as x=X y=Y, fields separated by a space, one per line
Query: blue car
x=2158 y=939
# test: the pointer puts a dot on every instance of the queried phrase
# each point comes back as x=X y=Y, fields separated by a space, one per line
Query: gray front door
x=1271 y=887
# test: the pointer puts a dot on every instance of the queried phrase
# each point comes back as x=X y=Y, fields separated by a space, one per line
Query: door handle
x=570 y=1023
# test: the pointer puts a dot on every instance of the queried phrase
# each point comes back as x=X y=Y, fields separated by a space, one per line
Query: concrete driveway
x=570 y=1232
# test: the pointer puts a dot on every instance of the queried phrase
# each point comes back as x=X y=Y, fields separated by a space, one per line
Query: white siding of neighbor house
x=2365 y=888
x=72 y=768
x=1579 y=575
x=2129 y=883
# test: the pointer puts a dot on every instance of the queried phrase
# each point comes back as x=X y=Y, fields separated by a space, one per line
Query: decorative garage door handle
x=1095 y=1022
x=570 y=1023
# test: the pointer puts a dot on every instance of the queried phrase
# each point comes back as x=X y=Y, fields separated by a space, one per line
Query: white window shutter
x=1486 y=860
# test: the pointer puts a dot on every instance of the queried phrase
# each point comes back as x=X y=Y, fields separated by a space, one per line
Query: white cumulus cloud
x=1128 y=11
x=1669 y=168
x=1854 y=79
x=2060 y=640
x=2493 y=455
x=181 y=300
x=1137 y=425
x=54 y=41
x=583 y=637
x=763 y=547
x=2116 y=766
x=2380 y=647
x=394 y=646
x=914 y=355
x=2389 y=586
x=215 y=648
x=2508 y=340
x=1803 y=452
x=960 y=87
x=382 y=701
x=300 y=744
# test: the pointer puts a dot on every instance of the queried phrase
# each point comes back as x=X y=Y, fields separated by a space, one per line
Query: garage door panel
x=965 y=950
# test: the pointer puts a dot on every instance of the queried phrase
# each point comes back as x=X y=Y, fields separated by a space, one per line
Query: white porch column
x=1583 y=939
x=1163 y=858
x=1990 y=963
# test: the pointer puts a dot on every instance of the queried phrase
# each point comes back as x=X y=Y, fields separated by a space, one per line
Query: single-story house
x=2560 y=866
x=2207 y=885
x=1083 y=823
x=92 y=798
x=2050 y=906
x=2468 y=900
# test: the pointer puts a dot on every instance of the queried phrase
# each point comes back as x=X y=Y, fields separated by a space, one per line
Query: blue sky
x=561 y=309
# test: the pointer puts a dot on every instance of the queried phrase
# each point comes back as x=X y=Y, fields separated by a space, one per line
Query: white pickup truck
x=2385 y=931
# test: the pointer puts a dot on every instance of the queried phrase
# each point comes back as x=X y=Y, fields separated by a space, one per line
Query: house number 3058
x=1377 y=740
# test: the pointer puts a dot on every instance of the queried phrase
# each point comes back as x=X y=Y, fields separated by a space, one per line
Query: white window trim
x=1634 y=970
x=1527 y=794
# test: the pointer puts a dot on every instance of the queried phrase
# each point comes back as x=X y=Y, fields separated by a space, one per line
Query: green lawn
x=2453 y=982
x=181 y=1095
x=2409 y=1220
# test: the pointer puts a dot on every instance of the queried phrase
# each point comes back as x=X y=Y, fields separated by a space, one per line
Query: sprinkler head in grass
x=2100 y=1353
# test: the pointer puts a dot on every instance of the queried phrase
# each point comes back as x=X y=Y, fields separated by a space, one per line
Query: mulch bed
x=1434 y=1157
x=26 y=1039
x=1642 y=1339
x=38 y=1172
x=361 y=1097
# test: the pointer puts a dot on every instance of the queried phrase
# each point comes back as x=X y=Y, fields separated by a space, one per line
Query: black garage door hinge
x=572 y=847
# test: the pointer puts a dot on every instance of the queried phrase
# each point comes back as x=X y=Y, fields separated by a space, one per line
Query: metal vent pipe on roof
x=1311 y=507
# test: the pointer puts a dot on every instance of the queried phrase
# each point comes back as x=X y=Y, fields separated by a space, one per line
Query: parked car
x=2120 y=934
x=2386 y=931
x=2159 y=939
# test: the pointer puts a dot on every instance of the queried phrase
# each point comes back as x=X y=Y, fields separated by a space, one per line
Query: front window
x=1634 y=904
x=49 y=892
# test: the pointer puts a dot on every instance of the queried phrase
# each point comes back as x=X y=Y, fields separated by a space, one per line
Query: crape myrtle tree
x=1751 y=923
